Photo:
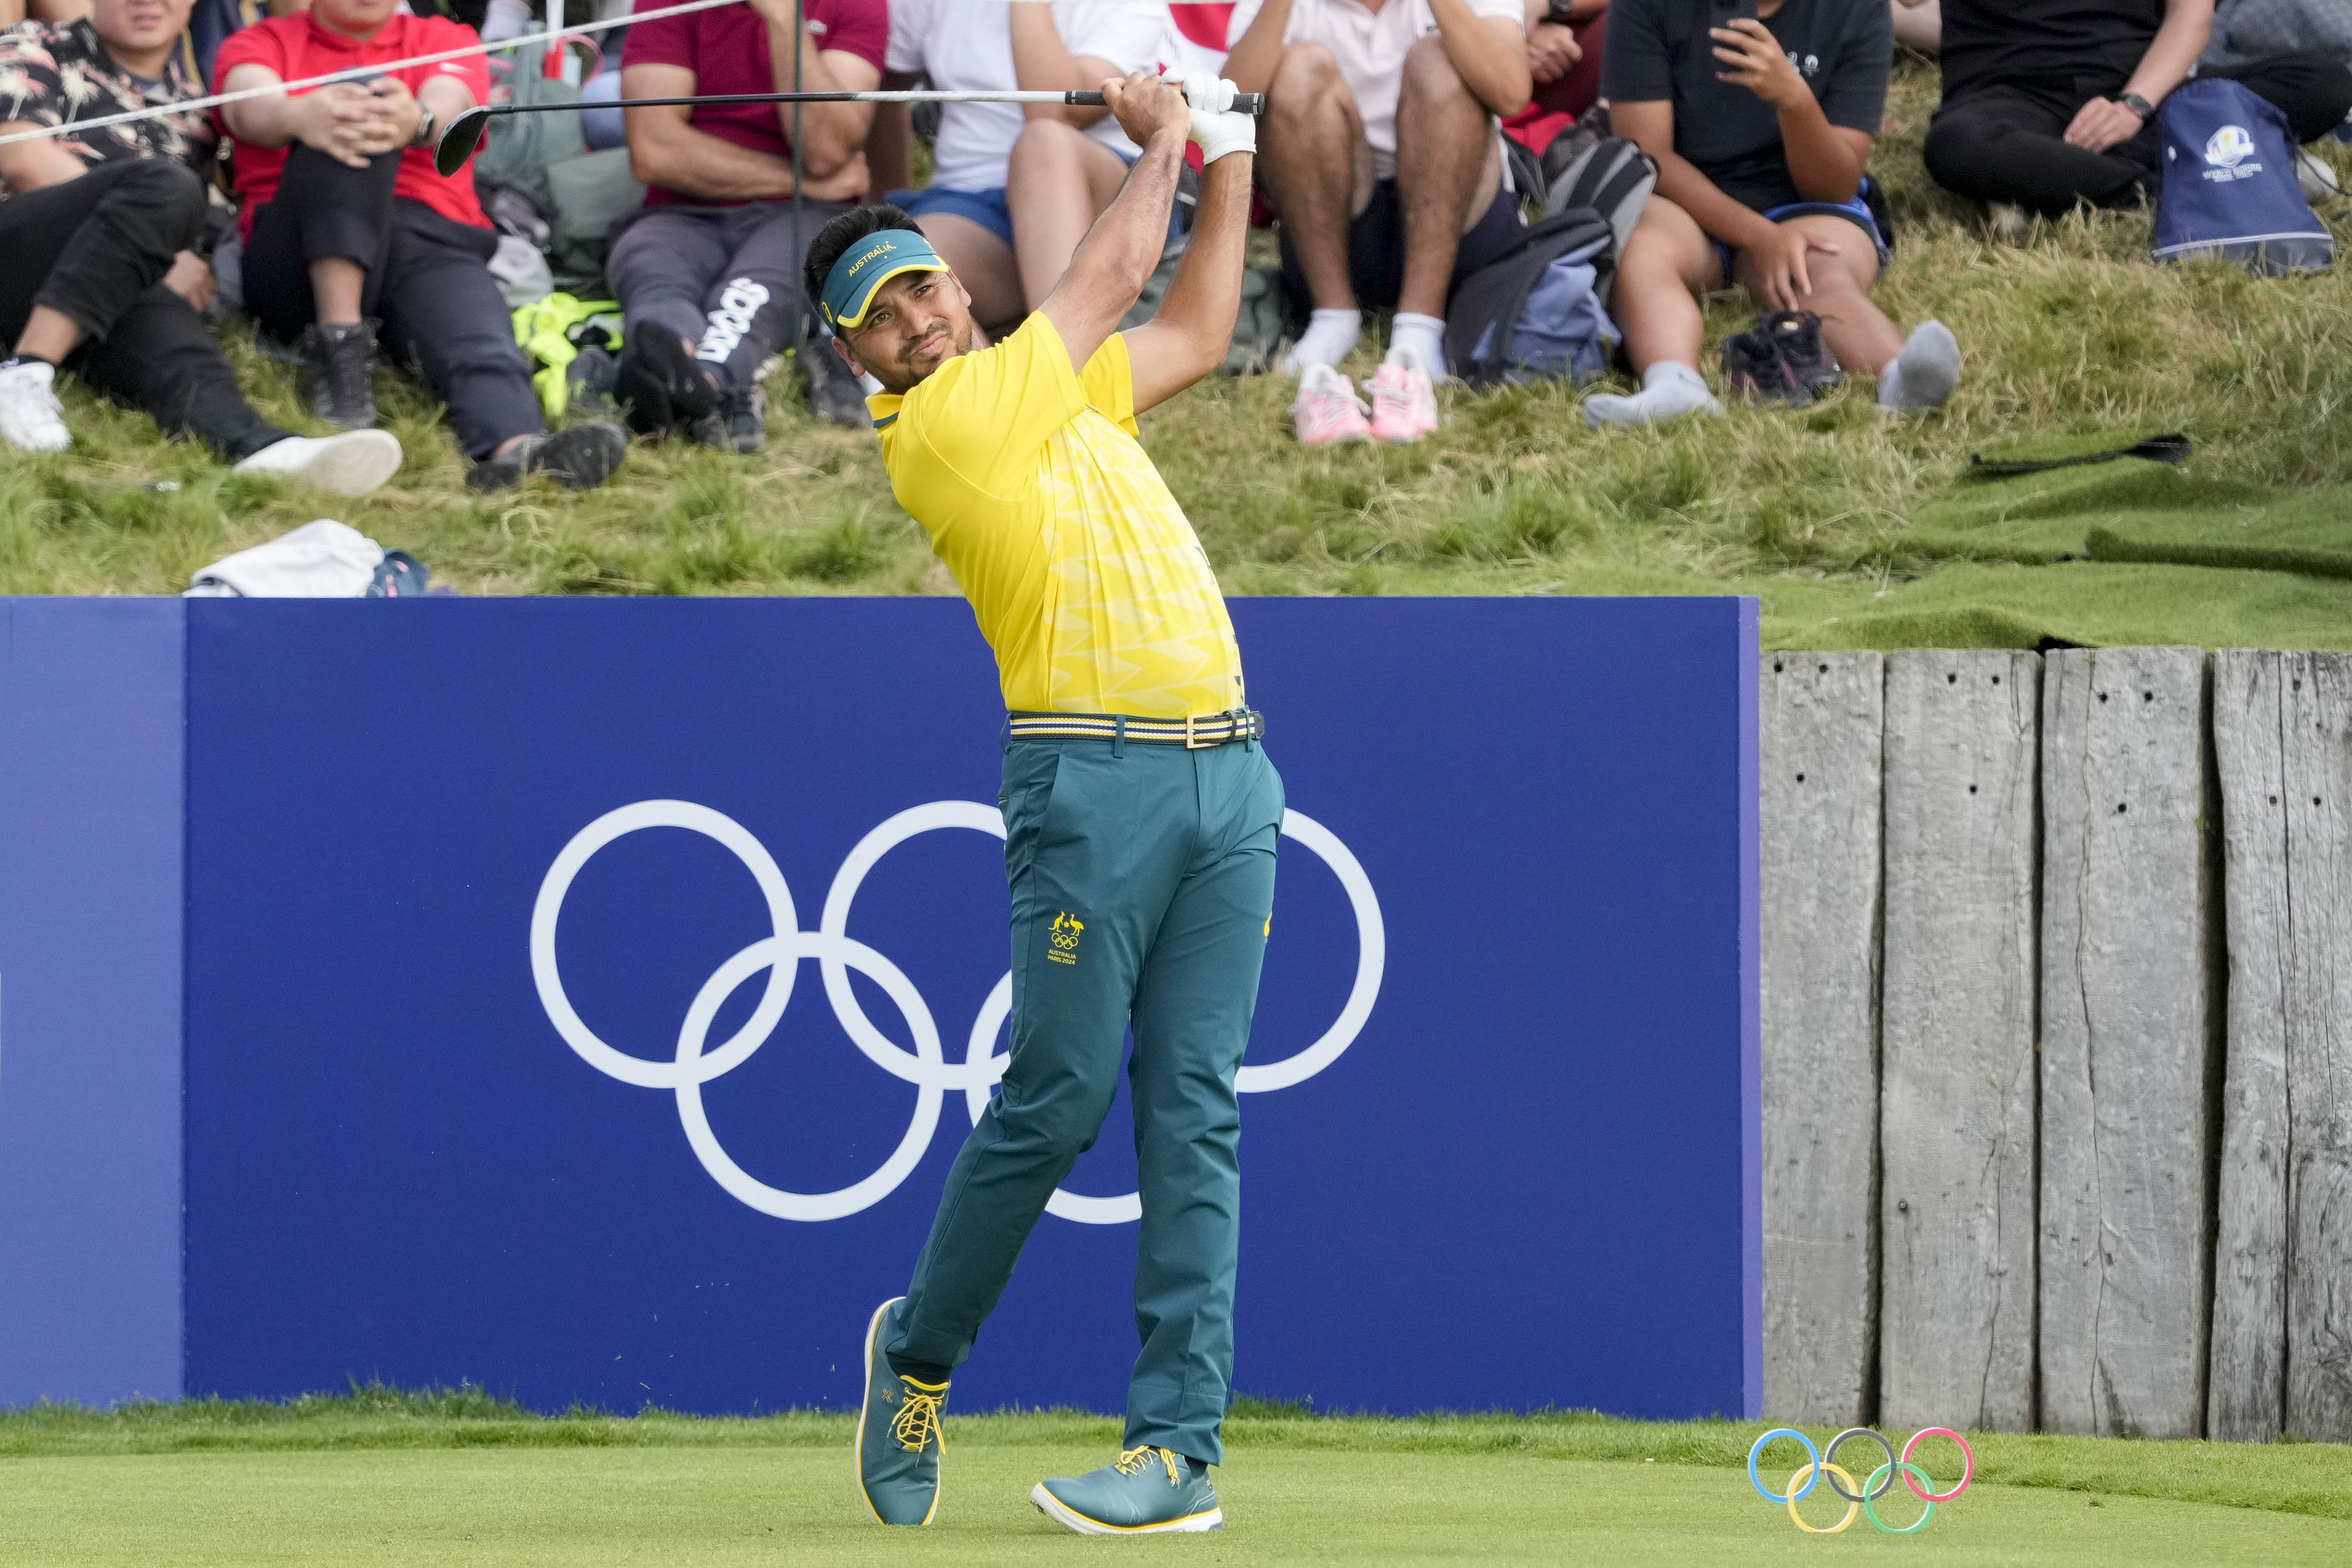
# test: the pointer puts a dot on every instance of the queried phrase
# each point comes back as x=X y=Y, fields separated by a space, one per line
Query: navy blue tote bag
x=2230 y=189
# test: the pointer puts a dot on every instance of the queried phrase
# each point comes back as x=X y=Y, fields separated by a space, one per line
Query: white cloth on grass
x=966 y=46
x=321 y=560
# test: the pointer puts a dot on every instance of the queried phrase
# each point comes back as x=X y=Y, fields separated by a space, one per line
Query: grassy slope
x=386 y=1477
x=2074 y=334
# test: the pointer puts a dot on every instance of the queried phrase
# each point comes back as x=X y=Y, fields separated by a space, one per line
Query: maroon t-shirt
x=727 y=49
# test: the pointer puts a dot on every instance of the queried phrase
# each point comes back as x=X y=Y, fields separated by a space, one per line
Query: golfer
x=1140 y=811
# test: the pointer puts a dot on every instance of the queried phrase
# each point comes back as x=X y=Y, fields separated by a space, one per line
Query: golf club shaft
x=1244 y=104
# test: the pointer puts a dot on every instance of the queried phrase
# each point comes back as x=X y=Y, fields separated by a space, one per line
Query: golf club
x=465 y=133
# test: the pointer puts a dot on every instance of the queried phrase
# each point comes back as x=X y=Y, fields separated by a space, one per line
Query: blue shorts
x=986 y=208
x=1855 y=212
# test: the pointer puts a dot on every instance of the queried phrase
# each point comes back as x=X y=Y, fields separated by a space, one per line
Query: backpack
x=1607 y=174
x=1534 y=313
x=2229 y=188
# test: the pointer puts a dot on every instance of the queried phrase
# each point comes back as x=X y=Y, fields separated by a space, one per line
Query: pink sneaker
x=1404 y=401
x=1327 y=410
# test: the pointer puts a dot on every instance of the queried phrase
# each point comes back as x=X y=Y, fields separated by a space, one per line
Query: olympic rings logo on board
x=696 y=1062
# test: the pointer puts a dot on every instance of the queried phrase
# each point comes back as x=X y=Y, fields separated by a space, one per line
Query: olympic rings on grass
x=1830 y=1453
x=1811 y=1468
x=1870 y=1494
x=1968 y=1460
x=1851 y=1507
x=1822 y=1463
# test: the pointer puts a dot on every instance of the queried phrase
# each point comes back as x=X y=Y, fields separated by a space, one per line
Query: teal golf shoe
x=899 y=1443
x=1146 y=1491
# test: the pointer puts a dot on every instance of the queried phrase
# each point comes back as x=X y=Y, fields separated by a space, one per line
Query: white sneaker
x=351 y=464
x=31 y=417
x=2319 y=182
x=2007 y=221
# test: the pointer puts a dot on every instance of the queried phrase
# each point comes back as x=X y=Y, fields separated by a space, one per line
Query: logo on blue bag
x=2226 y=150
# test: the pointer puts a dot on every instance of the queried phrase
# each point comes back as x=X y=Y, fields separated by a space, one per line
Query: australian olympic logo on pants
x=837 y=954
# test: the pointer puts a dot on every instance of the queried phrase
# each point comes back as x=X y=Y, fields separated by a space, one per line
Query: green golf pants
x=1142 y=881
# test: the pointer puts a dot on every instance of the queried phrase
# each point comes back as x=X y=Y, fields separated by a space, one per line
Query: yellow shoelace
x=1131 y=1462
x=917 y=1421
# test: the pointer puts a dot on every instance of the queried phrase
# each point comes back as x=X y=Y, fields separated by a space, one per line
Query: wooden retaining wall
x=2058 y=1041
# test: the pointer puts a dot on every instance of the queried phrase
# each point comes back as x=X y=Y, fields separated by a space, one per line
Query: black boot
x=660 y=386
x=740 y=424
x=339 y=363
x=835 y=393
x=579 y=457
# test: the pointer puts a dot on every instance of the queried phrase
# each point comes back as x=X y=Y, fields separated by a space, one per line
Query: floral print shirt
x=57 y=73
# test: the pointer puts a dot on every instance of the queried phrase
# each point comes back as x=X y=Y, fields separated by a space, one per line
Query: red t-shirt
x=727 y=49
x=296 y=47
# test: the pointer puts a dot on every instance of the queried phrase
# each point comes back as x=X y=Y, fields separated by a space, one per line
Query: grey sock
x=1668 y=390
x=1925 y=372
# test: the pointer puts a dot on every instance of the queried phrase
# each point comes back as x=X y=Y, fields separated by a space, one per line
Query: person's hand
x=397 y=112
x=2103 y=123
x=340 y=119
x=1781 y=272
x=1215 y=126
x=1757 y=63
x=1145 y=106
x=1552 y=52
x=190 y=278
x=847 y=183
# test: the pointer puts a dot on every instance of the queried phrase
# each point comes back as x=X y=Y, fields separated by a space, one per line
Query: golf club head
x=458 y=142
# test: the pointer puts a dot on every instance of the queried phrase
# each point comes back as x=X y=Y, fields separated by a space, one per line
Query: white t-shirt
x=966 y=46
x=1370 y=46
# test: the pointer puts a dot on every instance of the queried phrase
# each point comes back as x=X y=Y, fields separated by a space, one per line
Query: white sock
x=1925 y=372
x=1331 y=337
x=1669 y=391
x=1422 y=336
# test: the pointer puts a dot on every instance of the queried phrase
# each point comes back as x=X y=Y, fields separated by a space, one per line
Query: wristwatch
x=423 y=127
x=2138 y=105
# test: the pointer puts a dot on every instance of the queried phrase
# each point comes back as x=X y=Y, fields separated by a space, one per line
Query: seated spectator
x=348 y=230
x=2048 y=108
x=1380 y=151
x=1761 y=129
x=708 y=273
x=1012 y=193
x=1564 y=41
x=97 y=267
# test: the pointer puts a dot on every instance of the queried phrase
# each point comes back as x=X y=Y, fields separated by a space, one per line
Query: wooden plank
x=1820 y=754
x=1956 y=1031
x=2126 y=1043
x=2247 y=1384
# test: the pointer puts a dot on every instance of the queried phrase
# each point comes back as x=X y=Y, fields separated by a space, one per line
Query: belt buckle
x=1190 y=743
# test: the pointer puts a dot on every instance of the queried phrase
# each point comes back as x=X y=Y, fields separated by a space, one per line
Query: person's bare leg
x=1918 y=26
x=1857 y=330
x=1668 y=262
x=982 y=262
x=337 y=286
x=49 y=334
x=1448 y=170
x=1059 y=181
x=1316 y=165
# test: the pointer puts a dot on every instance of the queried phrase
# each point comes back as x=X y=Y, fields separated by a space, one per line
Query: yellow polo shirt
x=1084 y=574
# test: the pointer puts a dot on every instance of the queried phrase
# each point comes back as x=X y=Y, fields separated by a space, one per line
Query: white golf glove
x=1215 y=127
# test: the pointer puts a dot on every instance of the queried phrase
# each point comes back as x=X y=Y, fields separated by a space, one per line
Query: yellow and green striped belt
x=1191 y=734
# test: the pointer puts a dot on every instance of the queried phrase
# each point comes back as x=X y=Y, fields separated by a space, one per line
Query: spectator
x=97 y=267
x=1761 y=129
x=2047 y=108
x=1379 y=151
x=708 y=273
x=349 y=229
x=1564 y=46
x=1011 y=194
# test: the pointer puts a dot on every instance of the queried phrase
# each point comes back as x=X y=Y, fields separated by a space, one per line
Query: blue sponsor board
x=473 y=1090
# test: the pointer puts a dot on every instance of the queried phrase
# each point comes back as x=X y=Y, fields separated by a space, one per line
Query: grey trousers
x=725 y=279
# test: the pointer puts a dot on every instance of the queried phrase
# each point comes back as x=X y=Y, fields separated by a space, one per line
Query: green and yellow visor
x=864 y=267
